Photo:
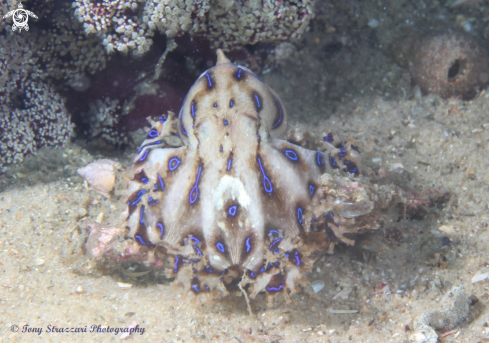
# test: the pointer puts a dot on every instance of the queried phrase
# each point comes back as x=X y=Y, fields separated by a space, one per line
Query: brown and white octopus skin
x=226 y=202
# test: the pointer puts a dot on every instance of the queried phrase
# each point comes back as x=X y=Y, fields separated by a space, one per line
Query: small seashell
x=124 y=285
x=100 y=175
x=79 y=289
x=100 y=218
x=317 y=285
x=38 y=261
x=480 y=277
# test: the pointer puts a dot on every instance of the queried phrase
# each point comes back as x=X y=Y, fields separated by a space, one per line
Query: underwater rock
x=445 y=62
x=454 y=311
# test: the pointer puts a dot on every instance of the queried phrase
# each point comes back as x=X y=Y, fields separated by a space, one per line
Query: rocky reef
x=74 y=61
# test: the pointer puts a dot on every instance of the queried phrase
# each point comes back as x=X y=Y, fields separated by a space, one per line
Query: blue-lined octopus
x=220 y=199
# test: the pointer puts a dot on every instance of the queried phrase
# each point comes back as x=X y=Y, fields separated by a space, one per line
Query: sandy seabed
x=417 y=142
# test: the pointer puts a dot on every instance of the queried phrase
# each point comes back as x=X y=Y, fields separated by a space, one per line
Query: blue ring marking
x=319 y=159
x=291 y=155
x=351 y=167
x=231 y=103
x=173 y=163
x=163 y=119
x=144 y=180
x=332 y=162
x=257 y=101
x=215 y=104
x=248 y=245
x=329 y=138
x=153 y=133
x=307 y=144
x=252 y=275
x=195 y=189
x=299 y=215
x=145 y=154
x=194 y=287
x=275 y=289
x=297 y=258
x=232 y=210
x=209 y=80
x=140 y=239
x=279 y=120
x=149 y=144
x=162 y=229
x=342 y=152
x=220 y=149
x=274 y=243
x=239 y=73
x=225 y=122
x=267 y=184
x=230 y=161
x=141 y=213
x=311 y=189
x=192 y=109
x=195 y=239
x=220 y=247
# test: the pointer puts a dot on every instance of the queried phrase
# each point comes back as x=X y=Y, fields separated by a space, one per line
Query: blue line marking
x=279 y=120
x=299 y=215
x=248 y=245
x=267 y=184
x=195 y=189
x=311 y=189
x=141 y=220
x=208 y=79
x=145 y=154
x=162 y=229
x=140 y=239
x=257 y=101
x=149 y=144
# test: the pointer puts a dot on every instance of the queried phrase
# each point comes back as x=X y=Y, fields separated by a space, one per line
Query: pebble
x=373 y=23
x=317 y=285
x=82 y=212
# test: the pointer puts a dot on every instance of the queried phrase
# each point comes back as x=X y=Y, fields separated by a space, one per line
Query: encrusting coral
x=445 y=62
x=33 y=113
x=128 y=26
